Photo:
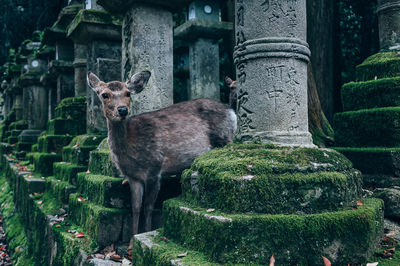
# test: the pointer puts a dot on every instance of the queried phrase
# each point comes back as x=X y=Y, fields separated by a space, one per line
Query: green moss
x=60 y=126
x=373 y=160
x=152 y=248
x=72 y=108
x=368 y=128
x=95 y=17
x=100 y=163
x=35 y=147
x=12 y=140
x=86 y=140
x=16 y=132
x=60 y=189
x=14 y=229
x=347 y=236
x=43 y=162
x=371 y=94
x=380 y=65
x=271 y=193
x=53 y=143
x=104 y=225
x=67 y=171
x=104 y=190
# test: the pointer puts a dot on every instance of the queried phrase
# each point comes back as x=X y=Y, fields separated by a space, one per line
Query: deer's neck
x=117 y=135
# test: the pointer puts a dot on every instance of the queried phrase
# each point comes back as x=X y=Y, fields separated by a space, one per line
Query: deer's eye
x=105 y=95
x=128 y=94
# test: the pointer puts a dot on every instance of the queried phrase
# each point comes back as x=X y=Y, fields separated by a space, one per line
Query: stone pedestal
x=147 y=45
x=271 y=58
x=100 y=33
x=389 y=24
x=202 y=34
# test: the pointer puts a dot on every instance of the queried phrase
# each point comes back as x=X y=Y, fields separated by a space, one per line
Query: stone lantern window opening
x=35 y=63
x=204 y=9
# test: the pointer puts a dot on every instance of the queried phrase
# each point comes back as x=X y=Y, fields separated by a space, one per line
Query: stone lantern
x=202 y=31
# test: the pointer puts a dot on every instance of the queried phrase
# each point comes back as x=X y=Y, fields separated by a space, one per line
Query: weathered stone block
x=23 y=146
x=60 y=189
x=374 y=161
x=100 y=163
x=380 y=65
x=43 y=162
x=104 y=190
x=29 y=135
x=12 y=140
x=72 y=108
x=104 y=225
x=391 y=197
x=59 y=126
x=368 y=128
x=253 y=238
x=67 y=172
x=53 y=143
x=20 y=124
x=371 y=94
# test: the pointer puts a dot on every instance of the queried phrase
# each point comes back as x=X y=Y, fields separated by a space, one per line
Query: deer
x=146 y=146
x=232 y=92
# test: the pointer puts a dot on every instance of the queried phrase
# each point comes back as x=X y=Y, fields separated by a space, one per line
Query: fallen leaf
x=326 y=261
x=40 y=202
x=272 y=260
x=80 y=199
x=67 y=224
x=116 y=257
x=210 y=210
x=58 y=225
x=359 y=203
x=80 y=235
x=99 y=256
x=182 y=255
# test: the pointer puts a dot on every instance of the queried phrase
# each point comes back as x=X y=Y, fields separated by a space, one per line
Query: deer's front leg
x=137 y=190
x=151 y=192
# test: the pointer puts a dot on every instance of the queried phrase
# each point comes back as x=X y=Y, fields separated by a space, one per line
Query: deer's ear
x=138 y=81
x=228 y=81
x=93 y=81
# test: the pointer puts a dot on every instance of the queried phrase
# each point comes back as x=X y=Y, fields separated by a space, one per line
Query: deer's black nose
x=122 y=110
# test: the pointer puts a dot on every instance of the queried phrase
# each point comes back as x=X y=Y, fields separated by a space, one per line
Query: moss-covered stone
x=380 y=65
x=43 y=162
x=14 y=229
x=60 y=189
x=60 y=126
x=20 y=124
x=72 y=108
x=35 y=147
x=371 y=94
x=104 y=190
x=23 y=146
x=53 y=143
x=382 y=161
x=104 y=225
x=346 y=236
x=77 y=154
x=100 y=163
x=16 y=132
x=368 y=128
x=5 y=148
x=67 y=171
x=152 y=248
x=12 y=140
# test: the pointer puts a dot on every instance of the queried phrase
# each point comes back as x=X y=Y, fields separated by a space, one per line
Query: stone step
x=61 y=126
x=380 y=65
x=371 y=94
x=20 y=124
x=253 y=238
x=102 y=190
x=72 y=108
x=368 y=128
x=23 y=146
x=43 y=162
x=269 y=179
x=16 y=132
x=35 y=147
x=375 y=160
x=78 y=151
x=104 y=225
x=67 y=172
x=100 y=163
x=53 y=143
x=60 y=189
x=12 y=140
x=152 y=248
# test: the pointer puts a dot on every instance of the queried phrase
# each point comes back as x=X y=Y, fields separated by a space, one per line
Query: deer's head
x=115 y=95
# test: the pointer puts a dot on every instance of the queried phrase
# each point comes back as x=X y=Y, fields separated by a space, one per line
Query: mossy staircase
x=70 y=121
x=242 y=203
x=368 y=131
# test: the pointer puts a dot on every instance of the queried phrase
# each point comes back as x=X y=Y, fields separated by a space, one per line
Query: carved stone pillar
x=389 y=24
x=271 y=57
